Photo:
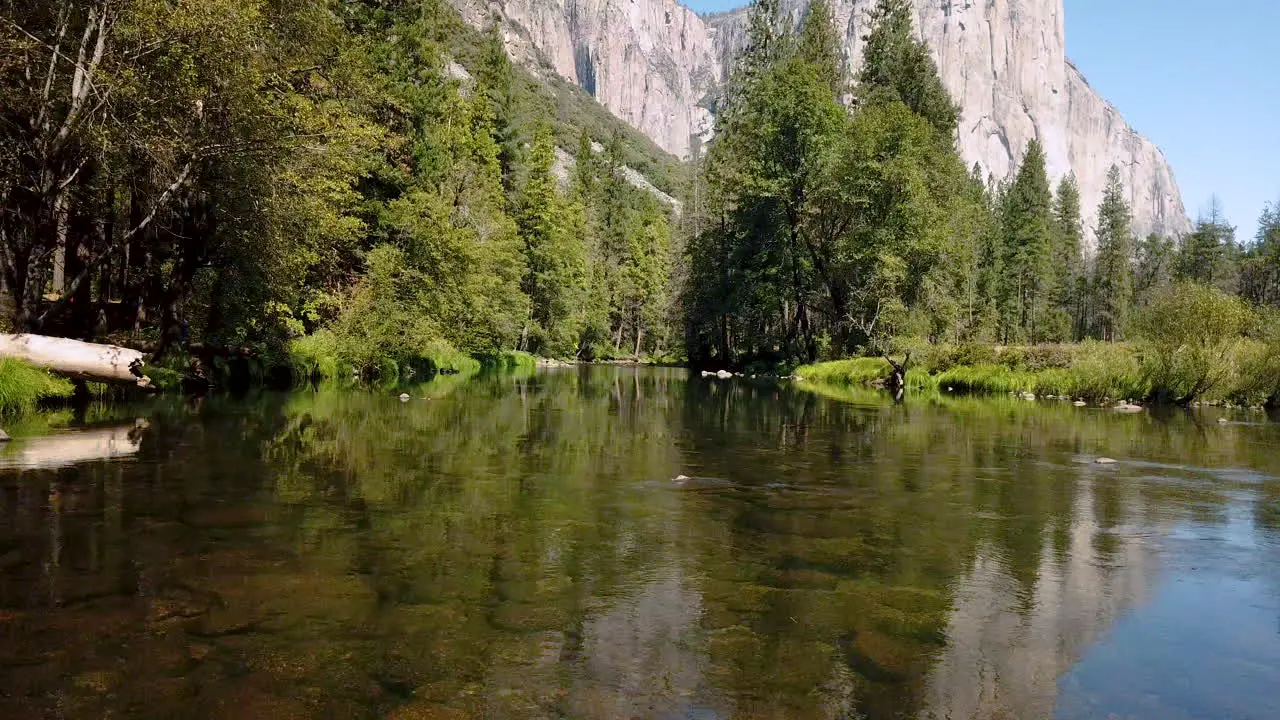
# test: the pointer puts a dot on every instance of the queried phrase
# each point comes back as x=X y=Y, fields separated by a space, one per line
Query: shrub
x=1258 y=363
x=1099 y=371
x=1190 y=337
x=317 y=356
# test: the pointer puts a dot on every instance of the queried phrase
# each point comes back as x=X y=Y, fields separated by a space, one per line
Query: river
x=599 y=543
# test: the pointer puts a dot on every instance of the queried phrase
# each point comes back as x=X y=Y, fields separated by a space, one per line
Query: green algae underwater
x=514 y=546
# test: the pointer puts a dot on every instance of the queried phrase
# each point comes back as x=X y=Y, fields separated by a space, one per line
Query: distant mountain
x=656 y=64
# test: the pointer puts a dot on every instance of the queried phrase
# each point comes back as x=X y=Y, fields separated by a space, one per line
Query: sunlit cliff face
x=655 y=64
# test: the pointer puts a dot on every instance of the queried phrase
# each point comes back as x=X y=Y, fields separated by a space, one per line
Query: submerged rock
x=698 y=483
x=1105 y=461
x=1128 y=407
x=1080 y=403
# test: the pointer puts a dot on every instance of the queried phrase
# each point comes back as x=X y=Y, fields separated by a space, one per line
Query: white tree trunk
x=75 y=359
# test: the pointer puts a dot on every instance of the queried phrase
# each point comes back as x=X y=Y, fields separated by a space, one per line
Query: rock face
x=654 y=62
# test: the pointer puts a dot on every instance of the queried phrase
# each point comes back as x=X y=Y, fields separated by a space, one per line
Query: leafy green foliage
x=832 y=226
x=1191 y=334
x=317 y=181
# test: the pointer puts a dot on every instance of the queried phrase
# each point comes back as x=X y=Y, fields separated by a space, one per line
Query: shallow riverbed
x=517 y=548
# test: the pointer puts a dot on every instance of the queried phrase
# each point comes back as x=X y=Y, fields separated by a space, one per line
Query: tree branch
x=92 y=263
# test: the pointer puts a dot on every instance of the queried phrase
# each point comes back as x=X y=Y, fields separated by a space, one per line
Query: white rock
x=724 y=374
x=404 y=397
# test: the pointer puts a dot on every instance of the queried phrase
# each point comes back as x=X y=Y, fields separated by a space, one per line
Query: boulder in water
x=404 y=397
x=1105 y=461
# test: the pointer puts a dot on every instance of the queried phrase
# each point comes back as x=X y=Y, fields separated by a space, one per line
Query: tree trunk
x=75 y=359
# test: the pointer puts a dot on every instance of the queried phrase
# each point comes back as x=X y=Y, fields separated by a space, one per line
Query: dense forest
x=358 y=184
x=371 y=185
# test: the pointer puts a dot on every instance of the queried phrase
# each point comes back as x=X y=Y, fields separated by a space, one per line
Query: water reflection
x=515 y=548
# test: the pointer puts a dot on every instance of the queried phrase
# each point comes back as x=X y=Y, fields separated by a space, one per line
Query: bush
x=22 y=386
x=1258 y=363
x=1099 y=371
x=1191 y=334
x=318 y=357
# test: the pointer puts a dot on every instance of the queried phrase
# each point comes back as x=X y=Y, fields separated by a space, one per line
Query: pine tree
x=1068 y=262
x=496 y=81
x=898 y=66
x=1112 y=276
x=820 y=47
x=1029 y=232
x=1260 y=268
x=1209 y=254
x=555 y=266
x=1153 y=268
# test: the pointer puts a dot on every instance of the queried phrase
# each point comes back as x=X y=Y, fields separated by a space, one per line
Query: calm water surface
x=517 y=548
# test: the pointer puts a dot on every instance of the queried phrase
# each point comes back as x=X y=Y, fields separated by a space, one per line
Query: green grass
x=856 y=371
x=509 y=361
x=986 y=379
x=1091 y=371
x=319 y=356
x=23 y=386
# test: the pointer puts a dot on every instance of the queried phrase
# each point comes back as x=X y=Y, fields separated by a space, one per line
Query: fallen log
x=76 y=359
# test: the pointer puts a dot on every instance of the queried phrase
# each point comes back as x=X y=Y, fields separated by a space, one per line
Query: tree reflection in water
x=514 y=547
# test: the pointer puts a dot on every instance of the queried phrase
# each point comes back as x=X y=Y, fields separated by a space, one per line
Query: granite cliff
x=654 y=64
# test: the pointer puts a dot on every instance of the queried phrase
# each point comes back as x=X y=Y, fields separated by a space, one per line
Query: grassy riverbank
x=1245 y=373
x=22 y=386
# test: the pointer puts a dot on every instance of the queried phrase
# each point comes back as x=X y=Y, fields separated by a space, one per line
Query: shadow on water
x=524 y=547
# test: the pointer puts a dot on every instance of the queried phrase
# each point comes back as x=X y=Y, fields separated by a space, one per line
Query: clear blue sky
x=1201 y=78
